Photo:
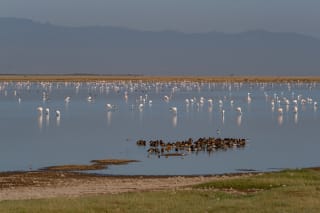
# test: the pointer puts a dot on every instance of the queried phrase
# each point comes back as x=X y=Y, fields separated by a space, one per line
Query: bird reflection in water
x=47 y=120
x=109 y=117
x=295 y=118
x=280 y=119
x=222 y=116
x=58 y=121
x=40 y=121
x=174 y=121
x=210 y=110
x=239 y=120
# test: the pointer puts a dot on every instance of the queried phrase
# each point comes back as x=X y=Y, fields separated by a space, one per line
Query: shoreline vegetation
x=289 y=190
x=94 y=77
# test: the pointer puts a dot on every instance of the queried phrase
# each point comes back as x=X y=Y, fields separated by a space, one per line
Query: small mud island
x=95 y=165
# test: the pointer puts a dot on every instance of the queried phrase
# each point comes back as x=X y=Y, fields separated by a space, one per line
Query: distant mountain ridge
x=28 y=47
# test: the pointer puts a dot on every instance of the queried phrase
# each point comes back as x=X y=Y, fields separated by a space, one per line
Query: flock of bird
x=45 y=111
x=178 y=148
x=138 y=94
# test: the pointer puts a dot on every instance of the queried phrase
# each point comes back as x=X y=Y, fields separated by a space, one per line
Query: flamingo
x=90 y=98
x=280 y=111
x=201 y=101
x=174 y=110
x=140 y=107
x=126 y=95
x=58 y=114
x=110 y=107
x=67 y=99
x=239 y=110
x=47 y=111
x=40 y=110
x=166 y=98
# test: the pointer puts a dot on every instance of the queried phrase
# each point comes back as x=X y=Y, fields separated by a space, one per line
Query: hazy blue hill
x=31 y=47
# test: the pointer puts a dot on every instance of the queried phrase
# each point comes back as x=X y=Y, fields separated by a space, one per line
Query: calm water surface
x=87 y=130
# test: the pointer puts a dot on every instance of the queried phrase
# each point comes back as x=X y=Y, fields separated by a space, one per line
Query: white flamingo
x=201 y=101
x=280 y=111
x=174 y=110
x=239 y=110
x=140 y=107
x=166 y=98
x=47 y=111
x=126 y=95
x=67 y=99
x=90 y=98
x=40 y=110
x=110 y=107
x=58 y=113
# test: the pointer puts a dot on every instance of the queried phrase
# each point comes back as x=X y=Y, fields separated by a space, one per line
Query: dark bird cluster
x=202 y=144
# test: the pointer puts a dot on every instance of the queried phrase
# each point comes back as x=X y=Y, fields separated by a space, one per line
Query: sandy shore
x=80 y=78
x=49 y=184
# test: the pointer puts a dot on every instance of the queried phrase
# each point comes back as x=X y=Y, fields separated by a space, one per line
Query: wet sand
x=49 y=184
x=62 y=181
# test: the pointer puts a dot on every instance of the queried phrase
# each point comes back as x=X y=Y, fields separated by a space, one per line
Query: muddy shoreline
x=93 y=78
x=20 y=185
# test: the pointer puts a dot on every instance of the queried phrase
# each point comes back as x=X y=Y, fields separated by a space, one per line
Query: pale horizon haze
x=178 y=15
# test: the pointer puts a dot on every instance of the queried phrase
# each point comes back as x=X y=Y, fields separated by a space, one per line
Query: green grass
x=286 y=191
x=267 y=181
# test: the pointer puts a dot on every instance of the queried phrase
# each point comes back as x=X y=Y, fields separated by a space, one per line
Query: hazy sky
x=300 y=16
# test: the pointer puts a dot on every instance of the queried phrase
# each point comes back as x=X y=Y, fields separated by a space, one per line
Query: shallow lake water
x=87 y=130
